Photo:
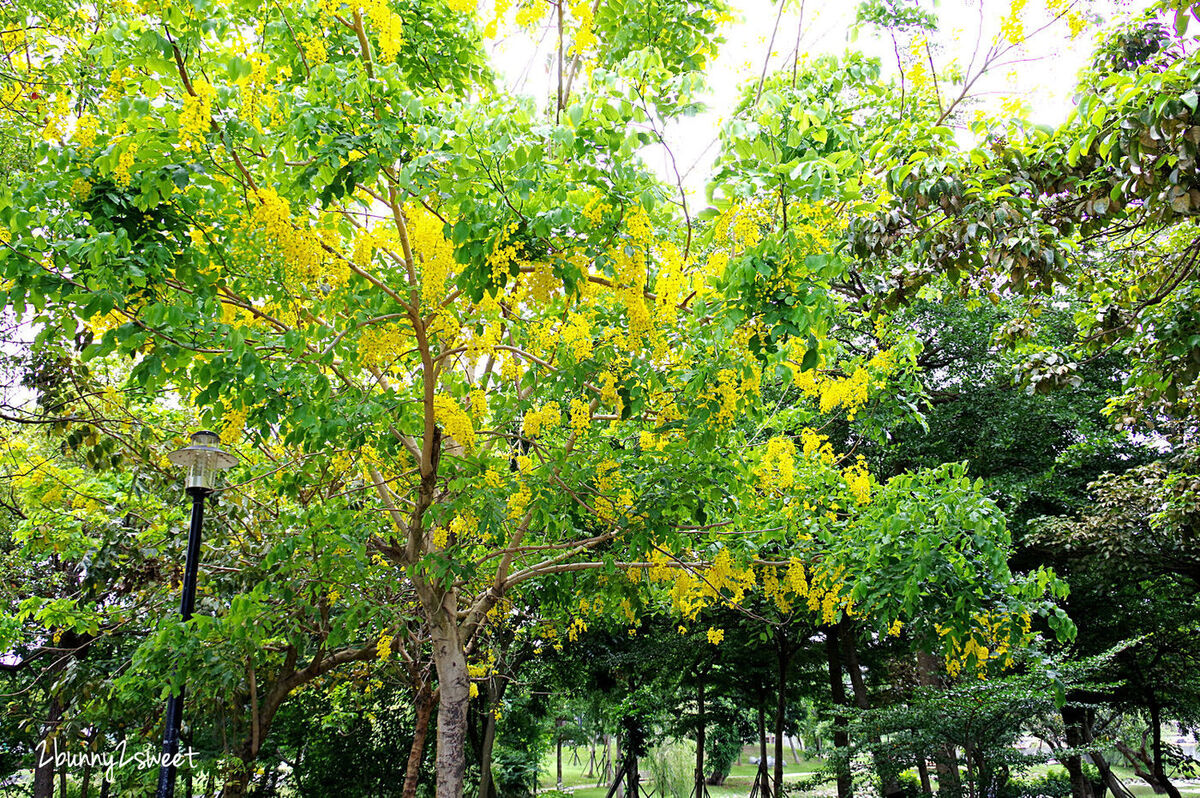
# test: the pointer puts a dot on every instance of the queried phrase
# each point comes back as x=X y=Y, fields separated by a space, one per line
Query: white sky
x=1044 y=82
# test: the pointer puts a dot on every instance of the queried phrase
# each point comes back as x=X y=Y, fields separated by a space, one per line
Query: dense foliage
x=886 y=444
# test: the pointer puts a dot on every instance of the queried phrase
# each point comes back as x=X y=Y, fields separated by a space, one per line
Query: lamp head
x=204 y=459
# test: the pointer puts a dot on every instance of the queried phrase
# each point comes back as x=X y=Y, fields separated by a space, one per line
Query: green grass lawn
x=741 y=778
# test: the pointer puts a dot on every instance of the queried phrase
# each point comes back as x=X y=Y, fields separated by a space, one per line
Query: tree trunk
x=781 y=649
x=454 y=687
x=43 y=770
x=424 y=709
x=837 y=693
x=236 y=784
x=1073 y=720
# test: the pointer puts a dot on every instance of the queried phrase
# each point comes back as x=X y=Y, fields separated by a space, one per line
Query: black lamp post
x=204 y=460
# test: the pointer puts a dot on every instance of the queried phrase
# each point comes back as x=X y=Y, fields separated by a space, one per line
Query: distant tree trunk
x=1074 y=718
x=945 y=759
x=617 y=758
x=792 y=745
x=1110 y=779
x=699 y=776
x=416 y=753
x=558 y=724
x=591 y=765
x=1143 y=767
x=85 y=782
x=1160 y=770
x=62 y=781
x=923 y=772
x=883 y=768
x=487 y=784
x=837 y=692
x=762 y=743
x=783 y=655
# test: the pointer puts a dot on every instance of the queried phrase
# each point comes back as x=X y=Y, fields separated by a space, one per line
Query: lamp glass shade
x=203 y=459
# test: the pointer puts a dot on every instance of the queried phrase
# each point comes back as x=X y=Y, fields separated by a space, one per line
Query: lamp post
x=204 y=460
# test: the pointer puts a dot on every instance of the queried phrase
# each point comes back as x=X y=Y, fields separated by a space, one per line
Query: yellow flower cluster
x=829 y=595
x=816 y=444
x=101 y=324
x=544 y=419
x=581 y=416
x=383 y=649
x=690 y=592
x=649 y=442
x=195 y=118
x=435 y=251
x=586 y=36
x=777 y=469
x=616 y=499
x=630 y=270
x=542 y=282
x=1011 y=28
x=670 y=284
x=454 y=420
x=715 y=636
x=595 y=208
x=121 y=175
x=493 y=478
x=742 y=224
x=300 y=250
x=233 y=422
x=389 y=29
x=640 y=230
x=381 y=344
x=479 y=404
x=577 y=627
x=608 y=392
x=850 y=393
x=505 y=252
x=726 y=395
x=518 y=500
x=313 y=44
x=858 y=480
x=576 y=333
x=256 y=98
x=85 y=131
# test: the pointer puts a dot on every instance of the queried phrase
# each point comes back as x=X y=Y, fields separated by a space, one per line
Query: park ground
x=741 y=778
